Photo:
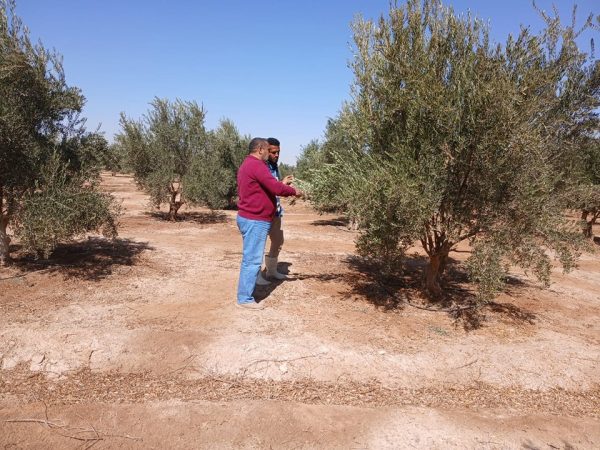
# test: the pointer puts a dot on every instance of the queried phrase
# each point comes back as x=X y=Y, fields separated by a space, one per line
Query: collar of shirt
x=274 y=169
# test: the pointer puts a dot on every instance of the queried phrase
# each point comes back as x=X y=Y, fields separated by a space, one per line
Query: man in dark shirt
x=257 y=205
x=276 y=232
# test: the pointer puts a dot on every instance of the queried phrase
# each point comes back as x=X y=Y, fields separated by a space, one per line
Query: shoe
x=261 y=281
x=271 y=264
x=251 y=305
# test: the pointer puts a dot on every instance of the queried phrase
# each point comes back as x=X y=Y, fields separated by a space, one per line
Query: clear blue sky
x=276 y=68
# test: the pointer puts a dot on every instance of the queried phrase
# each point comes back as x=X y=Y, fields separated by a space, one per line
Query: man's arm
x=273 y=186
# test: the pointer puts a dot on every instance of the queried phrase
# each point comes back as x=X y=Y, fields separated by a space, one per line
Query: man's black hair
x=256 y=143
x=273 y=141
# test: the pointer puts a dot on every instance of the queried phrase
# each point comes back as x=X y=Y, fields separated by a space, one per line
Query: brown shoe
x=252 y=305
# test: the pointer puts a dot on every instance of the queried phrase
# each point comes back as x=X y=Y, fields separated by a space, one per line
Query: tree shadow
x=404 y=288
x=512 y=312
x=528 y=445
x=198 y=217
x=514 y=282
x=337 y=222
x=119 y=174
x=92 y=259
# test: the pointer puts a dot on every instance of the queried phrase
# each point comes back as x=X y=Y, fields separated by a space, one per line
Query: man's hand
x=300 y=193
x=288 y=180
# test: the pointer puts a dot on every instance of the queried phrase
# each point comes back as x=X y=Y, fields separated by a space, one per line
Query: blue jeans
x=254 y=238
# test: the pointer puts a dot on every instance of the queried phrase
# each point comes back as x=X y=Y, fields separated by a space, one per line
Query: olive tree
x=328 y=189
x=212 y=178
x=450 y=137
x=309 y=160
x=48 y=162
x=115 y=159
x=176 y=160
x=161 y=148
x=286 y=169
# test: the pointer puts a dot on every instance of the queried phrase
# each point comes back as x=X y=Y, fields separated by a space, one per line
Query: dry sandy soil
x=137 y=344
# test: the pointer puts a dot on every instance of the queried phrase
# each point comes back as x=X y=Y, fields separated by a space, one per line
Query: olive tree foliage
x=286 y=169
x=161 y=148
x=212 y=180
x=309 y=160
x=48 y=162
x=115 y=159
x=451 y=138
x=328 y=193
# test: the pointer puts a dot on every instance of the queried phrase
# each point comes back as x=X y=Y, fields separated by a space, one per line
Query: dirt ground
x=138 y=344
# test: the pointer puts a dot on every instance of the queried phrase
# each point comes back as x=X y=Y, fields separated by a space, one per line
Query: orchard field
x=137 y=343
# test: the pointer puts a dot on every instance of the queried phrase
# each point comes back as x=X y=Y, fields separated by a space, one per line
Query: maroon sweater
x=257 y=189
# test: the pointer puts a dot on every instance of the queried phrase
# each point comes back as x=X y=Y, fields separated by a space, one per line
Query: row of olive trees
x=176 y=160
x=450 y=138
x=49 y=164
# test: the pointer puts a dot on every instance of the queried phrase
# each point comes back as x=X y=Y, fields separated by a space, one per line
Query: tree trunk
x=588 y=225
x=231 y=202
x=434 y=271
x=4 y=242
x=176 y=200
x=173 y=208
x=592 y=223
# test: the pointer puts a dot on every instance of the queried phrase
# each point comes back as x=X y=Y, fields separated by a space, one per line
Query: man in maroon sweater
x=257 y=204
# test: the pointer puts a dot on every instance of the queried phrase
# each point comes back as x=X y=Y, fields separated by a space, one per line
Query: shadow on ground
x=263 y=292
x=337 y=222
x=529 y=445
x=202 y=218
x=404 y=289
x=92 y=259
